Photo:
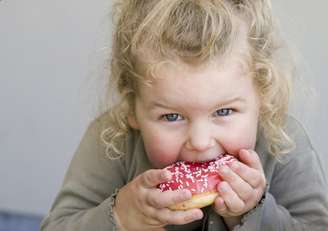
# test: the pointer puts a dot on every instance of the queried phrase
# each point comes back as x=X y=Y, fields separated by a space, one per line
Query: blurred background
x=52 y=65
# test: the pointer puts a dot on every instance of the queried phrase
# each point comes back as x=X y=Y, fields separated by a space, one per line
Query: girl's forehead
x=181 y=78
x=162 y=69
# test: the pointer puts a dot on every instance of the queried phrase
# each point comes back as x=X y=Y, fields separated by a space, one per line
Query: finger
x=167 y=216
x=238 y=184
x=252 y=176
x=231 y=199
x=251 y=159
x=219 y=206
x=160 y=199
x=153 y=177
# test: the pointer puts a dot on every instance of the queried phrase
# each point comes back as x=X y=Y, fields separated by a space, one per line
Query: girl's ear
x=132 y=120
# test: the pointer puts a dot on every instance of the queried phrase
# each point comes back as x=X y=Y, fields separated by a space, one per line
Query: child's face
x=197 y=113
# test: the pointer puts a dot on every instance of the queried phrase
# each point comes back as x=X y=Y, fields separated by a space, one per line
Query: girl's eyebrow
x=153 y=104
x=233 y=100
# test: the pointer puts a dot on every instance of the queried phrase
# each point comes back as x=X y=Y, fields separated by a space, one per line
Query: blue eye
x=224 y=112
x=171 y=117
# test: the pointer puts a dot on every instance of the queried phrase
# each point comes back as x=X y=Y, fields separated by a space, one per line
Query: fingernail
x=197 y=215
x=249 y=151
x=220 y=201
x=224 y=170
x=235 y=165
x=166 y=175
x=223 y=188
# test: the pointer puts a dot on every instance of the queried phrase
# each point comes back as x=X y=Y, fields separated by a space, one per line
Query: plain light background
x=52 y=55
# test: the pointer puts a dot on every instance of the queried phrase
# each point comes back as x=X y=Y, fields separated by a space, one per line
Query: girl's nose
x=200 y=138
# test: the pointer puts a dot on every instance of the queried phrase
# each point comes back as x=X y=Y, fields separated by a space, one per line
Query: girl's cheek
x=236 y=143
x=162 y=153
x=160 y=161
x=161 y=158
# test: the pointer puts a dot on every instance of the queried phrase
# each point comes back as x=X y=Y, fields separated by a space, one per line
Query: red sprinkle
x=198 y=177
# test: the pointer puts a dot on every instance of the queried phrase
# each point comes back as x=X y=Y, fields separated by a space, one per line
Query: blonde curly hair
x=195 y=31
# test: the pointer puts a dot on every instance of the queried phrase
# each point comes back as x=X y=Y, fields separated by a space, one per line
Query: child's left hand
x=242 y=187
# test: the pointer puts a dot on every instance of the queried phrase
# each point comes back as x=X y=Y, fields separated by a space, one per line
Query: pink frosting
x=198 y=177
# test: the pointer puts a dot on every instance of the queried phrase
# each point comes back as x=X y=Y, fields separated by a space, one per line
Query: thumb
x=153 y=177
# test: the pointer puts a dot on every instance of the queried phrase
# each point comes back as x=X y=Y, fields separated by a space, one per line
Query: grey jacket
x=296 y=197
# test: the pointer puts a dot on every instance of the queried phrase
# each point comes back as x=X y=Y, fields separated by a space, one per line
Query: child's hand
x=243 y=186
x=140 y=205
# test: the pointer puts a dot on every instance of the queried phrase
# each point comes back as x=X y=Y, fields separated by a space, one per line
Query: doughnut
x=201 y=178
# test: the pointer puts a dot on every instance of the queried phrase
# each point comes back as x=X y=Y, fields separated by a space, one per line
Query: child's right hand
x=140 y=205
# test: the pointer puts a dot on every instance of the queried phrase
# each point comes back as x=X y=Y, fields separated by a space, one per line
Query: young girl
x=195 y=79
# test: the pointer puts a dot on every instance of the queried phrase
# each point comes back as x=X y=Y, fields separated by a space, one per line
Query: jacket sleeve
x=296 y=198
x=84 y=200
